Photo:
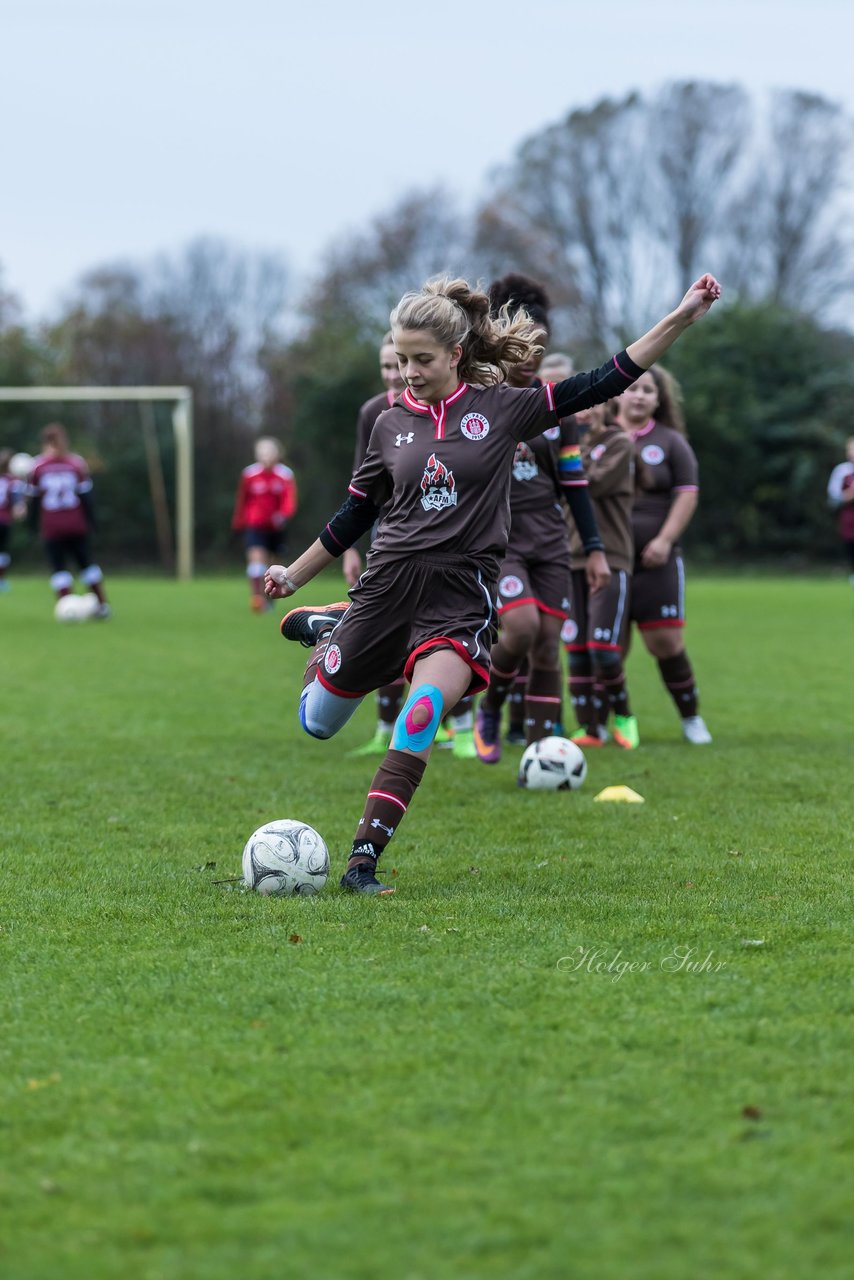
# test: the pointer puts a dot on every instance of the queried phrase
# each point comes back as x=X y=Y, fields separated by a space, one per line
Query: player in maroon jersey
x=12 y=507
x=60 y=489
x=534 y=580
x=840 y=494
x=455 y=731
x=666 y=493
x=390 y=696
x=441 y=457
x=594 y=636
x=266 y=500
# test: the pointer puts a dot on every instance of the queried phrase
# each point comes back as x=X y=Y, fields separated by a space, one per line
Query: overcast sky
x=132 y=126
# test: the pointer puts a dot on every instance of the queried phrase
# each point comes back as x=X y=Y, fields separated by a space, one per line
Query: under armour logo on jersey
x=375 y=822
x=404 y=439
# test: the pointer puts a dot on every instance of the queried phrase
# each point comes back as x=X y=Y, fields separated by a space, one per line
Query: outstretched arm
x=585 y=389
x=660 y=338
x=352 y=519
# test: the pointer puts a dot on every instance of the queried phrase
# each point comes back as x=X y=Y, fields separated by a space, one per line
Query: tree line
x=615 y=209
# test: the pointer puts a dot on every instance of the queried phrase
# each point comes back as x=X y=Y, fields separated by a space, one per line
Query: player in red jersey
x=60 y=489
x=441 y=456
x=266 y=500
x=666 y=494
x=840 y=494
x=12 y=507
x=534 y=581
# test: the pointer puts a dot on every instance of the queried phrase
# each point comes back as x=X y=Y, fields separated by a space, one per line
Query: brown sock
x=316 y=658
x=678 y=676
x=542 y=703
x=582 y=693
x=614 y=696
x=389 y=699
x=502 y=677
x=390 y=792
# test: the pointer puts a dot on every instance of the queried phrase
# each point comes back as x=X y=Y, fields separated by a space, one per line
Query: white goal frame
x=182 y=424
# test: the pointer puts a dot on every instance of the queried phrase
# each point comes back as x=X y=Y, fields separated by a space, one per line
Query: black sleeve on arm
x=578 y=497
x=353 y=518
x=584 y=389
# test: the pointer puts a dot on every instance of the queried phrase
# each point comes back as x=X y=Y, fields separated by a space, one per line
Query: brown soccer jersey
x=368 y=415
x=446 y=470
x=546 y=466
x=608 y=459
x=666 y=465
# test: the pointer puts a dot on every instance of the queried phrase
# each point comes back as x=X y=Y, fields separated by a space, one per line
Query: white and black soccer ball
x=552 y=764
x=70 y=608
x=285 y=857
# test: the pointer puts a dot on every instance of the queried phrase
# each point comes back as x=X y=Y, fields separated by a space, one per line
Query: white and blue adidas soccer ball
x=285 y=857
x=552 y=764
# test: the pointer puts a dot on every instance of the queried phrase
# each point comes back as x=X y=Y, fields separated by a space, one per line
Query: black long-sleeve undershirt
x=585 y=389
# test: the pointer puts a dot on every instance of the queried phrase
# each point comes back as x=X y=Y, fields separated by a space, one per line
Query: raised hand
x=699 y=298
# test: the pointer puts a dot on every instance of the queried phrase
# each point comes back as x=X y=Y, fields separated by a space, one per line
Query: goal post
x=182 y=426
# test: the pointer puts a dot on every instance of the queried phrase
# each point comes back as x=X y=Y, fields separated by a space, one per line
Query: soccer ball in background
x=70 y=609
x=90 y=605
x=285 y=857
x=552 y=764
x=20 y=465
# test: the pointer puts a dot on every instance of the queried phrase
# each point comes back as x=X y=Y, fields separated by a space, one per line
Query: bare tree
x=697 y=135
x=573 y=210
x=789 y=244
x=423 y=235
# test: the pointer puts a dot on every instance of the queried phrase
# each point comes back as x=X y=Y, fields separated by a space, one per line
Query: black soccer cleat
x=362 y=879
x=308 y=623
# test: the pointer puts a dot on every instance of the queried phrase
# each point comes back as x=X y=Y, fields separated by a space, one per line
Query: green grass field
x=465 y=1080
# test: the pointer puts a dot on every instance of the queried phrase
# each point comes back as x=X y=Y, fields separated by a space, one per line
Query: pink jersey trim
x=386 y=795
x=642 y=431
x=357 y=493
x=549 y=388
x=664 y=622
x=622 y=370
x=334 y=539
x=686 y=488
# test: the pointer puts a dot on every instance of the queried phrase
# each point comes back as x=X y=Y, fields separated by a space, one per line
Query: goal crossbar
x=182 y=425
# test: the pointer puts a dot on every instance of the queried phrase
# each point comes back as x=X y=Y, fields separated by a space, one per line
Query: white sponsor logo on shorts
x=597 y=451
x=652 y=454
x=552 y=433
x=474 y=426
x=332 y=659
x=511 y=586
x=569 y=631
